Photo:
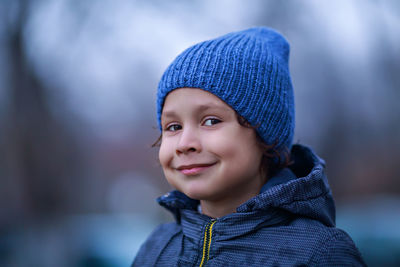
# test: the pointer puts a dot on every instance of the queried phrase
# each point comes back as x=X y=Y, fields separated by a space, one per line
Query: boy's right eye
x=173 y=127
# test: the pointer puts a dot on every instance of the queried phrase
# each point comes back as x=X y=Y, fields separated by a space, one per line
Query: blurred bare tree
x=39 y=157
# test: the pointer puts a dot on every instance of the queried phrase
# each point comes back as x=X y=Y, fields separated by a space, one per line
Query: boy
x=244 y=195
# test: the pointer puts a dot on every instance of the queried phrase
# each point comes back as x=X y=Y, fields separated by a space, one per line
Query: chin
x=195 y=193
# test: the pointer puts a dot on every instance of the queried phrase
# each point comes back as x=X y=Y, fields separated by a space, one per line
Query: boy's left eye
x=211 y=122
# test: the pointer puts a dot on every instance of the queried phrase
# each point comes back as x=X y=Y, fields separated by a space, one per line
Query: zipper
x=207 y=242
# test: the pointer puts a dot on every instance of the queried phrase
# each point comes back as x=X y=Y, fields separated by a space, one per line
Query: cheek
x=243 y=154
x=164 y=154
x=243 y=159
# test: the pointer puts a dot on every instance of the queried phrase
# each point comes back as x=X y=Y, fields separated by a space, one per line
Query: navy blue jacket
x=290 y=223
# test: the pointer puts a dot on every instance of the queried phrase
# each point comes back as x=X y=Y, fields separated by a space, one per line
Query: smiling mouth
x=194 y=169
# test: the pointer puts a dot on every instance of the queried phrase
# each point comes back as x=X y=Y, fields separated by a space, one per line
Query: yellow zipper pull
x=207 y=242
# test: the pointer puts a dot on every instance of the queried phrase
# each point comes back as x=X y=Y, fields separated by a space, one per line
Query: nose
x=189 y=141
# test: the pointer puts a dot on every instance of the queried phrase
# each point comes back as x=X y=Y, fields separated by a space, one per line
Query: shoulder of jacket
x=156 y=243
x=172 y=226
x=164 y=232
x=336 y=248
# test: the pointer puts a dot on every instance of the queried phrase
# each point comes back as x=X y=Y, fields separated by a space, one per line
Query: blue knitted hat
x=249 y=71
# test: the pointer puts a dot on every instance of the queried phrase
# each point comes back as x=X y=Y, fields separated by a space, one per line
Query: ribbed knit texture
x=248 y=70
x=288 y=224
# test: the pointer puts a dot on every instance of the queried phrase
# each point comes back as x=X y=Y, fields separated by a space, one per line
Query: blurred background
x=77 y=117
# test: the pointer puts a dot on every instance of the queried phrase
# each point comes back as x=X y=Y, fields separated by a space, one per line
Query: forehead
x=192 y=98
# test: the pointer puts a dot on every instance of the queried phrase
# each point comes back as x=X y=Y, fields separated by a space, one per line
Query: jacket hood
x=302 y=190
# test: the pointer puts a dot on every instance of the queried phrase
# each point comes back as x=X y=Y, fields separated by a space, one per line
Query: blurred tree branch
x=40 y=157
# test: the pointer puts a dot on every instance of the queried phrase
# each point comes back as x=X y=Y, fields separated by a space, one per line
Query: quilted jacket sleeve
x=339 y=250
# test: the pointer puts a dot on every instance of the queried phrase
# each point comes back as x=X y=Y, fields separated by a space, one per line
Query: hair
x=272 y=159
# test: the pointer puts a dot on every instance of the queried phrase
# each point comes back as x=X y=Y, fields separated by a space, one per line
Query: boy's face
x=205 y=153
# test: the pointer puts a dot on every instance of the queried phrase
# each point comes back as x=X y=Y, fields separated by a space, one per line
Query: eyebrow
x=200 y=108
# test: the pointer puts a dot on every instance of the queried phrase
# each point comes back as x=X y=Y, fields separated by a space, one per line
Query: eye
x=173 y=127
x=211 y=121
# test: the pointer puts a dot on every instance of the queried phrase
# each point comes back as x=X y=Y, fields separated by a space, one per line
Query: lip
x=194 y=169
